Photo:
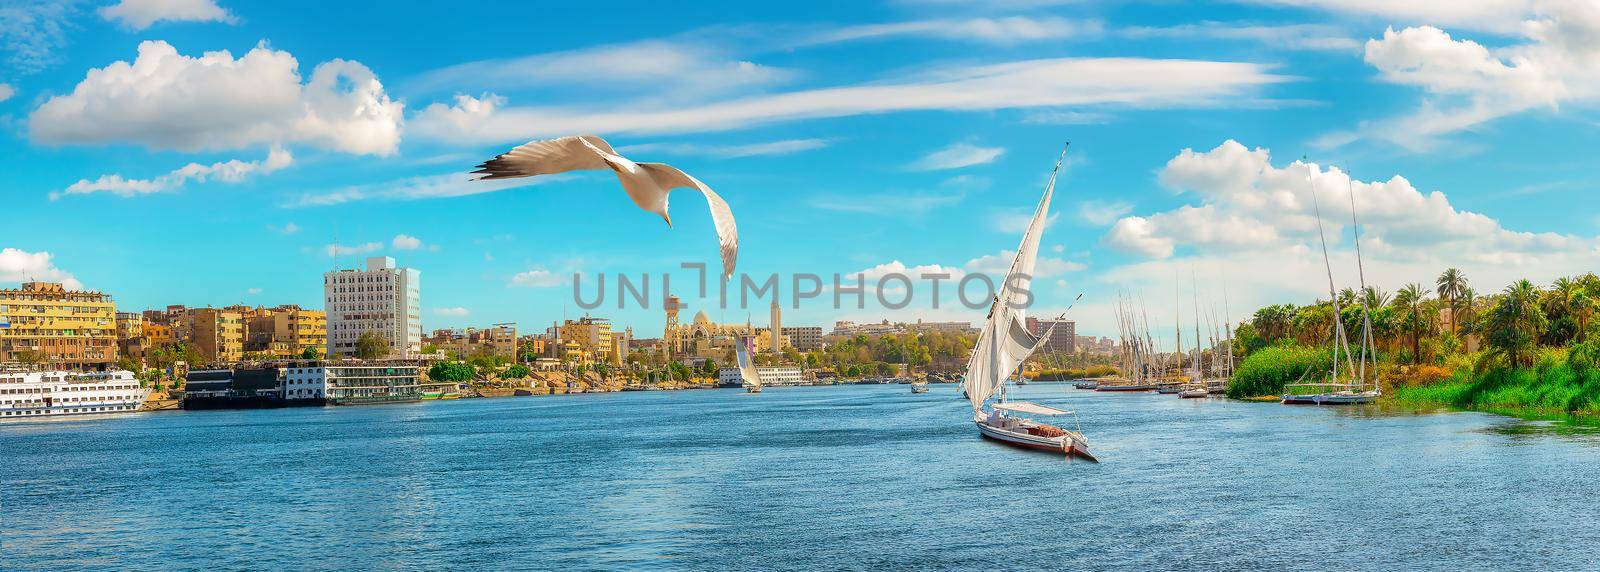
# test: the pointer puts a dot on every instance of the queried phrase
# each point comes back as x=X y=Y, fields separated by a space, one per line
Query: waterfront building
x=499 y=340
x=804 y=338
x=702 y=336
x=590 y=340
x=46 y=322
x=383 y=298
x=50 y=393
x=885 y=327
x=1063 y=340
x=285 y=331
x=217 y=334
x=777 y=376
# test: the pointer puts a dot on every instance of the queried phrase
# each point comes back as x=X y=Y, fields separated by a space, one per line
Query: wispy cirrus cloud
x=1006 y=30
x=782 y=147
x=948 y=192
x=956 y=156
x=419 y=188
x=1030 y=84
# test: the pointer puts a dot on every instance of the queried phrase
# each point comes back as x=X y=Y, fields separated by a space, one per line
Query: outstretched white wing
x=547 y=156
x=669 y=177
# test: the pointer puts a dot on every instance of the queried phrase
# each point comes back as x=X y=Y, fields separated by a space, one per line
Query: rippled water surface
x=856 y=477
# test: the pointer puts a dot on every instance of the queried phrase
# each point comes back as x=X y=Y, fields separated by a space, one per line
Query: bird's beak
x=668 y=218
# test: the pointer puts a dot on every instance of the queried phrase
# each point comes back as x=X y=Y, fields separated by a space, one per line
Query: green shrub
x=1268 y=370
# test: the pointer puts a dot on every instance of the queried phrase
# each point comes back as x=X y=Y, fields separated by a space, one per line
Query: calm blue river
x=849 y=477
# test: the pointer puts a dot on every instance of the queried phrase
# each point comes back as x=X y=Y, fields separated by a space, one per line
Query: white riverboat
x=37 y=394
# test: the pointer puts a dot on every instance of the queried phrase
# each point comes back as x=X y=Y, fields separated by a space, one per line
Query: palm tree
x=1450 y=285
x=1375 y=297
x=1410 y=302
x=1513 y=326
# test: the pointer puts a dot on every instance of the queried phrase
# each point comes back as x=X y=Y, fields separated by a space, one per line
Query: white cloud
x=166 y=100
x=287 y=228
x=458 y=184
x=1247 y=203
x=252 y=291
x=230 y=172
x=1017 y=221
x=18 y=265
x=958 y=155
x=1004 y=31
x=6 y=91
x=1315 y=37
x=1468 y=84
x=537 y=278
x=348 y=249
x=140 y=14
x=453 y=311
x=33 y=33
x=1491 y=15
x=668 y=68
x=1000 y=263
x=948 y=192
x=781 y=147
x=1047 y=83
x=1064 y=117
x=406 y=242
x=1102 y=213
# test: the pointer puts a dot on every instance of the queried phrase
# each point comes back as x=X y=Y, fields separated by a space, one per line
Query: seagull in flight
x=646 y=183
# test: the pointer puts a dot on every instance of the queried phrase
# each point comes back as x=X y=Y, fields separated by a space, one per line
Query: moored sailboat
x=1004 y=344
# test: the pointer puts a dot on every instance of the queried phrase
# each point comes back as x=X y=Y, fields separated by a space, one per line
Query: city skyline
x=910 y=136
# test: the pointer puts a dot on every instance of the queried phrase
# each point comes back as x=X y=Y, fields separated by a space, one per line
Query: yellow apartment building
x=61 y=327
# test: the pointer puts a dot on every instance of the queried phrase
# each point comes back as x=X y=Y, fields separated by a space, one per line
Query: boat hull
x=1072 y=444
x=1330 y=399
x=1193 y=393
x=1125 y=388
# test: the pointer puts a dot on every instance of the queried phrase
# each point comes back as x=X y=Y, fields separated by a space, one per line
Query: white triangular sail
x=747 y=367
x=1004 y=341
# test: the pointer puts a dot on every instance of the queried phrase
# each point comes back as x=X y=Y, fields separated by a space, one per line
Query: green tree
x=708 y=367
x=1450 y=285
x=452 y=371
x=371 y=345
x=1410 y=300
x=310 y=353
x=1512 y=327
x=516 y=371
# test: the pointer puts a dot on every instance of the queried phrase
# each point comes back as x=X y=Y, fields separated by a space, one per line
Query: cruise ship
x=52 y=393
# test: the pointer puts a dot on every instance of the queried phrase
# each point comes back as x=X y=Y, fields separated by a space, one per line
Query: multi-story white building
x=383 y=299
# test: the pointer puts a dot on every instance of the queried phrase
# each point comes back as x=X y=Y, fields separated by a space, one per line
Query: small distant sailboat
x=747 y=366
x=1004 y=344
x=919 y=386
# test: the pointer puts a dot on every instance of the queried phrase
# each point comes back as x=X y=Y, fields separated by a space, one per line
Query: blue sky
x=853 y=137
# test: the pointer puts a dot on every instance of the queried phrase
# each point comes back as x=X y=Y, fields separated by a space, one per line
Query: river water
x=847 y=477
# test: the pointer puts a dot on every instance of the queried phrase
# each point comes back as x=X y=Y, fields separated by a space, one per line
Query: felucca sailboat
x=1004 y=344
x=747 y=366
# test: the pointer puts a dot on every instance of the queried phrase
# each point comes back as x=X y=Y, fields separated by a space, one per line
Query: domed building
x=703 y=337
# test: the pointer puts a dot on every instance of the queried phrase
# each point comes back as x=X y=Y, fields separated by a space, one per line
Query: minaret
x=670 y=337
x=777 y=328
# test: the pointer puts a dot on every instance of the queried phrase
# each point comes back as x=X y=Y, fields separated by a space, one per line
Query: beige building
x=285 y=331
x=62 y=327
x=588 y=340
x=218 y=334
